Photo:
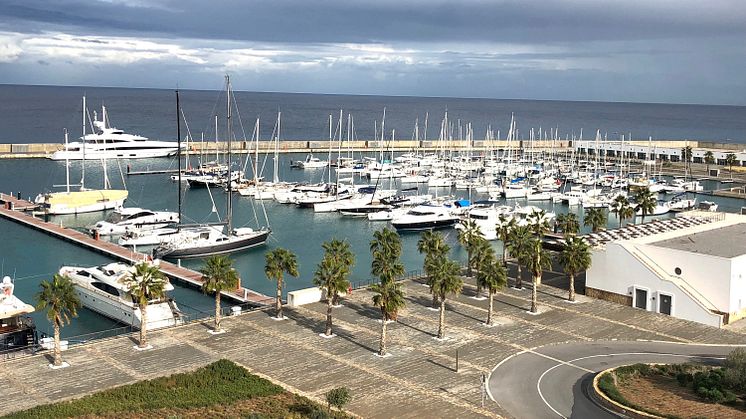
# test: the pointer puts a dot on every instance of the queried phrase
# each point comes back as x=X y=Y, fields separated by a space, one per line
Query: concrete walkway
x=419 y=380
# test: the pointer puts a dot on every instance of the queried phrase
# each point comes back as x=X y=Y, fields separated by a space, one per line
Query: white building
x=696 y=272
x=660 y=150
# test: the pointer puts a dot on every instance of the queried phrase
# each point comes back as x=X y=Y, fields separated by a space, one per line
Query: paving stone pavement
x=418 y=380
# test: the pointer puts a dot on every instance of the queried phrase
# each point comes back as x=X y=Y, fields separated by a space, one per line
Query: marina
x=178 y=273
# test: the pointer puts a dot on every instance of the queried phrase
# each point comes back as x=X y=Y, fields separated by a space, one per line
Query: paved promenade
x=419 y=380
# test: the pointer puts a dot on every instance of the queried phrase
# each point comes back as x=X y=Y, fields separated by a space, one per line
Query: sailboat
x=83 y=200
x=207 y=240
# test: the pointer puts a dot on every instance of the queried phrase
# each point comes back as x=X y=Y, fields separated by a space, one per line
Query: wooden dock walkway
x=16 y=203
x=242 y=295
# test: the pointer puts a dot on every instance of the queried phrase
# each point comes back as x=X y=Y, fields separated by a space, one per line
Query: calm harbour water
x=37 y=114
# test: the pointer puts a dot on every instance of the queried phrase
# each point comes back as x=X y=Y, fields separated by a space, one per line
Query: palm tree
x=575 y=258
x=491 y=275
x=218 y=275
x=467 y=235
x=538 y=222
x=595 y=218
x=277 y=263
x=389 y=298
x=340 y=251
x=645 y=202
x=386 y=250
x=433 y=245
x=626 y=213
x=568 y=223
x=730 y=160
x=446 y=280
x=559 y=221
x=332 y=274
x=518 y=246
x=537 y=260
x=146 y=283
x=617 y=205
x=481 y=249
x=686 y=156
x=709 y=159
x=58 y=297
x=505 y=226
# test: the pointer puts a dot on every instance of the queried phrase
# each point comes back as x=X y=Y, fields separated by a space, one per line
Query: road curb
x=616 y=407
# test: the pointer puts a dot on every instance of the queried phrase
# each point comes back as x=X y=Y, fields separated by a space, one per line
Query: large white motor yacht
x=425 y=217
x=108 y=142
x=124 y=220
x=102 y=289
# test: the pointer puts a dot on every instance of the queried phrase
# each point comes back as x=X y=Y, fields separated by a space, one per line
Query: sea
x=38 y=114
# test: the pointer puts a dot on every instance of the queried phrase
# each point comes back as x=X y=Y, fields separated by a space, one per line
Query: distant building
x=695 y=270
x=660 y=150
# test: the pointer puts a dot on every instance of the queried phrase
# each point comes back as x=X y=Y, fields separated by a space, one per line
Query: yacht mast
x=229 y=203
x=276 y=171
x=178 y=157
x=67 y=165
x=82 y=165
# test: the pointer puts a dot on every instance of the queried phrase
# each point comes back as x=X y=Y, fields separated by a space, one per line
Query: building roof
x=727 y=242
x=647 y=230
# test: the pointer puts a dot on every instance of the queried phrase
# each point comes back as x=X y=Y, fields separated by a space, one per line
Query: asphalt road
x=550 y=381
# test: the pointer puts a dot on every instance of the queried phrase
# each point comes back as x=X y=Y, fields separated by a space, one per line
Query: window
x=641 y=298
x=106 y=288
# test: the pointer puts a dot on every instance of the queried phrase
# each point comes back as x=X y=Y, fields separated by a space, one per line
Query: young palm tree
x=389 y=298
x=433 y=245
x=467 y=236
x=386 y=249
x=445 y=281
x=146 y=283
x=278 y=262
x=518 y=246
x=730 y=160
x=559 y=221
x=537 y=260
x=709 y=159
x=686 y=156
x=340 y=251
x=569 y=224
x=645 y=202
x=218 y=275
x=575 y=258
x=332 y=274
x=619 y=202
x=626 y=213
x=595 y=218
x=58 y=297
x=505 y=227
x=538 y=222
x=481 y=249
x=491 y=275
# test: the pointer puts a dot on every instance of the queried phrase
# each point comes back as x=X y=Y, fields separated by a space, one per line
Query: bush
x=338 y=397
x=735 y=370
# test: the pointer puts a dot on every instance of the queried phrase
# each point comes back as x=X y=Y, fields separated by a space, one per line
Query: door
x=665 y=304
x=641 y=299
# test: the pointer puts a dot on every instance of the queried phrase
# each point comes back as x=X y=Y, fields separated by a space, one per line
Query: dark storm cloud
x=327 y=21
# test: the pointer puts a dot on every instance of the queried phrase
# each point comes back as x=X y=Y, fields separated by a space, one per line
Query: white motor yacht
x=102 y=289
x=424 y=217
x=108 y=142
x=124 y=220
x=487 y=218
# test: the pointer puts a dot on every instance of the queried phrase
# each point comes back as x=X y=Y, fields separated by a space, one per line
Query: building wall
x=616 y=270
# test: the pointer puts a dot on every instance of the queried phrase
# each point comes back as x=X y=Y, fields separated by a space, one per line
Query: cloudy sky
x=680 y=51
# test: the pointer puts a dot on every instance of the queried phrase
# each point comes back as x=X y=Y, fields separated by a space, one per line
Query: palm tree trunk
x=329 y=302
x=534 y=295
x=518 y=279
x=489 y=310
x=335 y=299
x=57 y=351
x=382 y=345
x=143 y=326
x=468 y=264
x=572 y=287
x=217 y=310
x=442 y=320
x=278 y=302
x=505 y=254
x=436 y=302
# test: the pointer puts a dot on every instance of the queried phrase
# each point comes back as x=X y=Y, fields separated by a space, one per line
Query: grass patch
x=219 y=389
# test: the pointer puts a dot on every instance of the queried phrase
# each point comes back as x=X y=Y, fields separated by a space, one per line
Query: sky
x=671 y=51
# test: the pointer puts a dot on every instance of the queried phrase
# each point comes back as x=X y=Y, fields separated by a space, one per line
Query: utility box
x=714 y=172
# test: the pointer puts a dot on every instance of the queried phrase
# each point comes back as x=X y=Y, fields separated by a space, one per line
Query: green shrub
x=735 y=370
x=221 y=382
x=338 y=397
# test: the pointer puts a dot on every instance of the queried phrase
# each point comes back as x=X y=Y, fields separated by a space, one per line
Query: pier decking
x=16 y=203
x=241 y=295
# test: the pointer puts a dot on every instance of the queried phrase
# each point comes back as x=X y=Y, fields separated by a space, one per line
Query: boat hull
x=80 y=202
x=424 y=225
x=232 y=246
